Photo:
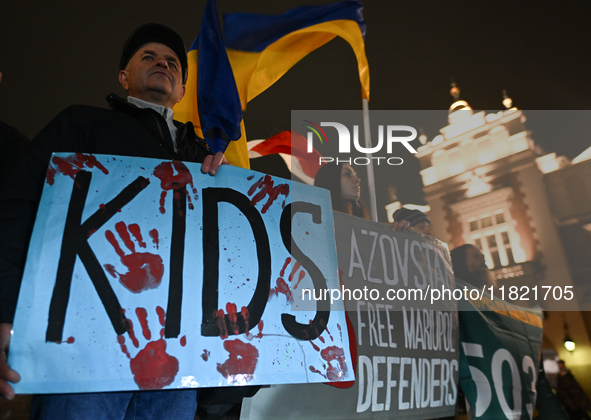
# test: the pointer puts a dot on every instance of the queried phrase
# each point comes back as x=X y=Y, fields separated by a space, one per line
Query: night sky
x=54 y=54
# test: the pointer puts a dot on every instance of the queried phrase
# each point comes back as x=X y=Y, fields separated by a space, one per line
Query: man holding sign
x=153 y=70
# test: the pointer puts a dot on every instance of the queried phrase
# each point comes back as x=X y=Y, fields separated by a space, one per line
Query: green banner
x=499 y=357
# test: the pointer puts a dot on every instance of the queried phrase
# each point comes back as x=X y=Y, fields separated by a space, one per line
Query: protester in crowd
x=345 y=191
x=419 y=221
x=153 y=71
x=344 y=186
x=546 y=400
x=571 y=395
x=13 y=144
x=470 y=267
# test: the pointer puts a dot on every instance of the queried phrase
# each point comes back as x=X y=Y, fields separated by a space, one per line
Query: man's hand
x=6 y=373
x=402 y=225
x=212 y=163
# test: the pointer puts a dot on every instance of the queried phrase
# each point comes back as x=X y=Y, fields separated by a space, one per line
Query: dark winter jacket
x=12 y=144
x=126 y=130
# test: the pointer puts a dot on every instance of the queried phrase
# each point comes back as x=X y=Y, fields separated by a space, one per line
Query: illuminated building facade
x=488 y=184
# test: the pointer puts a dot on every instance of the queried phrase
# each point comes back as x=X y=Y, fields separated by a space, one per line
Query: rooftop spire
x=458 y=103
x=454 y=91
x=507 y=102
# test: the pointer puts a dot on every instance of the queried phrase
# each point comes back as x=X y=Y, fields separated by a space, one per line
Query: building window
x=486 y=153
x=478 y=243
x=456 y=162
x=492 y=234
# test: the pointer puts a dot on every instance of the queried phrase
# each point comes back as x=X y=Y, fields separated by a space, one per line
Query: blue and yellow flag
x=263 y=48
x=217 y=103
x=217 y=97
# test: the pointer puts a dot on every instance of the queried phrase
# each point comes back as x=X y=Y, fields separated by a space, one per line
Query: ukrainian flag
x=263 y=48
x=211 y=99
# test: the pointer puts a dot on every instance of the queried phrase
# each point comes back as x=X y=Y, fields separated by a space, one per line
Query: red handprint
x=334 y=357
x=175 y=176
x=145 y=270
x=152 y=367
x=241 y=362
x=267 y=190
x=282 y=286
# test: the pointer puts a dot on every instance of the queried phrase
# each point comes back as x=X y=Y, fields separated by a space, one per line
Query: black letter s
x=316 y=327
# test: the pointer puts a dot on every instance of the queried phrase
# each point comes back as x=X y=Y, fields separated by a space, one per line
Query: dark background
x=53 y=54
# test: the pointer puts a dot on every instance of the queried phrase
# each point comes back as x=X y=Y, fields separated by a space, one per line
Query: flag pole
x=373 y=211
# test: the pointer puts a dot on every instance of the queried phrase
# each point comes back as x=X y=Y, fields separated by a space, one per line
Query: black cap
x=155 y=32
x=414 y=217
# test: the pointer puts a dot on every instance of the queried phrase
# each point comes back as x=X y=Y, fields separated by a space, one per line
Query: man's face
x=475 y=260
x=154 y=75
x=479 y=274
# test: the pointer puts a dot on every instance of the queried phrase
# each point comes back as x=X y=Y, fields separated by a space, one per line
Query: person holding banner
x=344 y=186
x=345 y=191
x=418 y=220
x=469 y=265
x=571 y=395
x=153 y=71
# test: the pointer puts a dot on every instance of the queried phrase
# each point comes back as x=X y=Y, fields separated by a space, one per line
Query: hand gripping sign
x=148 y=274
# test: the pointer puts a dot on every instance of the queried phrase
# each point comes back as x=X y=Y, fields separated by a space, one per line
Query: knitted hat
x=154 y=32
x=413 y=216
